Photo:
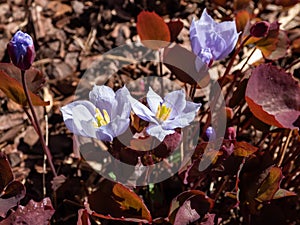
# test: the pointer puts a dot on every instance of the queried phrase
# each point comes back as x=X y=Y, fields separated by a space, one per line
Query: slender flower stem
x=37 y=125
x=233 y=58
x=285 y=147
x=30 y=118
x=161 y=72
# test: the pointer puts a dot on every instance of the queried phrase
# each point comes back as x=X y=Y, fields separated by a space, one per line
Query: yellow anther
x=102 y=119
x=163 y=112
x=106 y=116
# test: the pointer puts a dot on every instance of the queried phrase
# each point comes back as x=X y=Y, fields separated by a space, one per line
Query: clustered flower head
x=21 y=50
x=211 y=40
x=106 y=114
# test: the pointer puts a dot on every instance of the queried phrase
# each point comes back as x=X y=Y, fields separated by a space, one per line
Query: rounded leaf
x=273 y=96
x=151 y=28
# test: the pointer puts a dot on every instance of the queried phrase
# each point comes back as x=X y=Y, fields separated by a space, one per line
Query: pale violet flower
x=211 y=40
x=165 y=115
x=104 y=117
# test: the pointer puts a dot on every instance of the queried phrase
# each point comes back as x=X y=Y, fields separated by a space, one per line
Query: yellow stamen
x=163 y=112
x=101 y=119
x=106 y=116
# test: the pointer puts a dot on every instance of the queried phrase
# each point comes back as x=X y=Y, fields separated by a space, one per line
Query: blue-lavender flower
x=21 y=50
x=165 y=115
x=104 y=116
x=211 y=40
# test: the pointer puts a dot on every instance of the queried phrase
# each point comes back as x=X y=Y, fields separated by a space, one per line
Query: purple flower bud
x=211 y=40
x=21 y=50
x=260 y=29
x=211 y=134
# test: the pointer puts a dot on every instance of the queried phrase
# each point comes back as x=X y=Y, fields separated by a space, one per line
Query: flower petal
x=103 y=97
x=185 y=118
x=180 y=121
x=219 y=38
x=191 y=107
x=206 y=19
x=78 y=117
x=115 y=128
x=122 y=107
x=153 y=100
x=141 y=110
x=176 y=101
x=158 y=132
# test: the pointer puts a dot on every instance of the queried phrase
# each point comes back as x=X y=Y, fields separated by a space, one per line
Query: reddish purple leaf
x=118 y=203
x=208 y=219
x=189 y=206
x=282 y=193
x=273 y=96
x=14 y=90
x=33 y=213
x=244 y=149
x=259 y=182
x=6 y=175
x=281 y=46
x=270 y=185
x=175 y=27
x=242 y=18
x=182 y=64
x=83 y=217
x=274 y=45
x=11 y=191
x=153 y=30
x=34 y=77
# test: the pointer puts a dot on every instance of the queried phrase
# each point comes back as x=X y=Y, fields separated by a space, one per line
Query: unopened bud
x=260 y=29
x=21 y=50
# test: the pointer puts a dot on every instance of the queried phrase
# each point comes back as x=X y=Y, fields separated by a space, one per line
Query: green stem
x=37 y=124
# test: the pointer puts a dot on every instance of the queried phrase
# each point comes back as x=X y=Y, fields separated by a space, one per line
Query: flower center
x=102 y=119
x=163 y=112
